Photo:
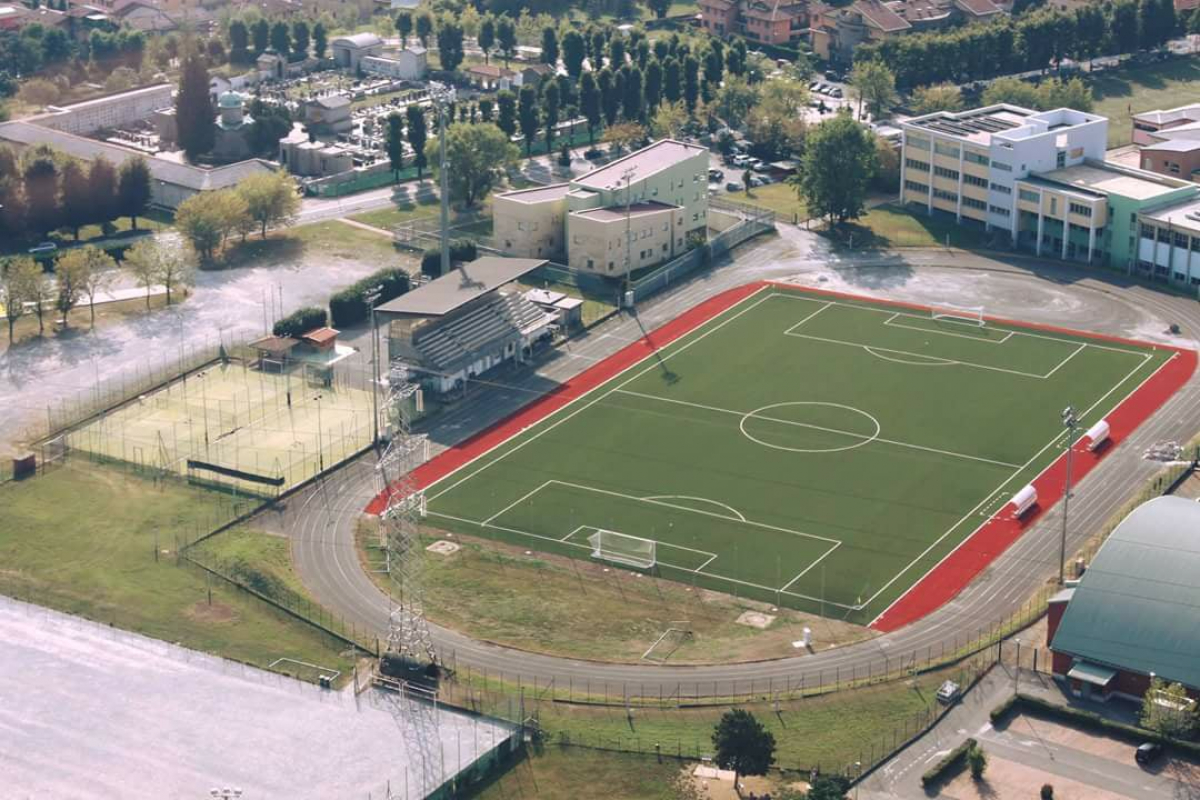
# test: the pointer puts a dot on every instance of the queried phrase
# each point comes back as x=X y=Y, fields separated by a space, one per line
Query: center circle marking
x=756 y=414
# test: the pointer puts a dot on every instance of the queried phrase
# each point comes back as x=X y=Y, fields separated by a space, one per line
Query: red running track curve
x=953 y=573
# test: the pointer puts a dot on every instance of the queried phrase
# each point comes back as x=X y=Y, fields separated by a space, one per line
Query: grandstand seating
x=488 y=328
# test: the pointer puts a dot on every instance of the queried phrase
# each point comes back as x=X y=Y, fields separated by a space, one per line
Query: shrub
x=1047 y=792
x=950 y=764
x=460 y=250
x=301 y=321
x=1000 y=712
x=350 y=306
x=977 y=761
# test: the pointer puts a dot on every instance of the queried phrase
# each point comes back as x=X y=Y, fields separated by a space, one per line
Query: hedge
x=301 y=321
x=952 y=762
x=460 y=250
x=350 y=306
x=1001 y=711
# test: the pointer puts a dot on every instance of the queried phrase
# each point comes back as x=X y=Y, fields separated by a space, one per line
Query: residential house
x=781 y=22
x=837 y=31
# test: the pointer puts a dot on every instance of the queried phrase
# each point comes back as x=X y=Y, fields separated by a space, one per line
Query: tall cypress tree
x=417 y=133
x=194 y=113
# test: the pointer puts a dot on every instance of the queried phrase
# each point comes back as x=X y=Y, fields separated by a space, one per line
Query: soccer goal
x=971 y=315
x=621 y=548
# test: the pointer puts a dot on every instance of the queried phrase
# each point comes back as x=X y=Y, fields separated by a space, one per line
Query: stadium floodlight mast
x=628 y=176
x=443 y=96
x=1070 y=421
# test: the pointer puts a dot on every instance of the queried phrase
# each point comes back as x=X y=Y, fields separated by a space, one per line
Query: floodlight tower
x=443 y=96
x=408 y=630
x=1070 y=421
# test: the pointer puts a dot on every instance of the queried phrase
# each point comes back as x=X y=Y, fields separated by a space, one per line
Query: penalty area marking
x=729 y=508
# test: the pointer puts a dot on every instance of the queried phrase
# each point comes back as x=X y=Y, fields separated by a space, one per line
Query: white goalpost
x=621 y=548
x=970 y=315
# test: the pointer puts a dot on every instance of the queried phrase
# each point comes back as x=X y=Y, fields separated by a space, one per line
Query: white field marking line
x=728 y=508
x=577 y=530
x=982 y=340
x=807 y=318
x=516 y=502
x=1068 y=358
x=1063 y=338
x=998 y=489
x=599 y=394
x=713 y=575
x=763 y=525
x=851 y=434
x=871 y=347
x=933 y=361
x=804 y=571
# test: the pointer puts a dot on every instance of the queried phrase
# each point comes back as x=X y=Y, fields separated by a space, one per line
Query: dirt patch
x=212 y=614
x=708 y=783
x=1008 y=780
x=756 y=619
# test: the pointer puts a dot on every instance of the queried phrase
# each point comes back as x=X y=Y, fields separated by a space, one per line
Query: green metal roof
x=1137 y=607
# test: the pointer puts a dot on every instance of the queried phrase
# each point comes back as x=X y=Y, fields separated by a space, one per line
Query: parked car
x=742 y=160
x=835 y=92
x=760 y=166
x=733 y=187
x=715 y=176
x=756 y=180
x=43 y=249
x=1147 y=753
x=948 y=692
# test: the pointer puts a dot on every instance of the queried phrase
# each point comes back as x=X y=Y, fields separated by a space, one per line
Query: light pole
x=628 y=176
x=371 y=297
x=857 y=777
x=442 y=95
x=1017 y=669
x=1070 y=421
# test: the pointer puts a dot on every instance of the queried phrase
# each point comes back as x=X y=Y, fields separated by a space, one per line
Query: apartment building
x=781 y=22
x=838 y=30
x=1039 y=177
x=634 y=212
x=1169 y=141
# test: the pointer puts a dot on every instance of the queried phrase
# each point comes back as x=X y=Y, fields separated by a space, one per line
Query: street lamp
x=1017 y=669
x=1070 y=422
x=857 y=777
x=371 y=298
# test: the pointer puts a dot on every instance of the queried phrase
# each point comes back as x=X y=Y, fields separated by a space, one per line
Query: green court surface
x=816 y=452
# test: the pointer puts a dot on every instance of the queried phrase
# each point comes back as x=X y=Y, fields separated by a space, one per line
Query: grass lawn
x=558 y=773
x=82 y=539
x=891 y=226
x=406 y=211
x=828 y=489
x=778 y=197
x=1143 y=88
x=331 y=238
x=552 y=604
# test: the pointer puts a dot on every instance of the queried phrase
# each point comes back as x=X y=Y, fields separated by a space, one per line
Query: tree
x=624 y=135
x=776 y=122
x=742 y=744
x=549 y=45
x=691 y=83
x=832 y=787
x=839 y=161
x=873 y=84
x=73 y=270
x=395 y=143
x=616 y=53
x=610 y=97
x=37 y=289
x=659 y=7
x=550 y=107
x=404 y=26
x=487 y=36
x=417 y=133
x=747 y=181
x=207 y=219
x=154 y=262
x=1013 y=91
x=300 y=39
x=477 y=156
x=76 y=204
x=100 y=273
x=939 y=97
x=133 y=189
x=239 y=42
x=38 y=92
x=281 y=38
x=195 y=116
x=574 y=51
x=260 y=33
x=589 y=104
x=528 y=116
x=1047 y=792
x=41 y=179
x=506 y=113
x=976 y=761
x=320 y=40
x=424 y=27
x=271 y=197
x=672 y=80
x=735 y=99
x=1167 y=710
x=19 y=278
x=506 y=38
x=450 y=43
x=653 y=85
x=632 y=97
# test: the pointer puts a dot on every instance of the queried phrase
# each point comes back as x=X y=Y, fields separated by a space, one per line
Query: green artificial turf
x=824 y=455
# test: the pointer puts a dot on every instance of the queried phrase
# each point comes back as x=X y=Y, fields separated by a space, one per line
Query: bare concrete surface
x=87 y=711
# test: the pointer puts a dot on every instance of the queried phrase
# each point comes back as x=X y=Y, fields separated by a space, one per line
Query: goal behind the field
x=621 y=548
x=970 y=315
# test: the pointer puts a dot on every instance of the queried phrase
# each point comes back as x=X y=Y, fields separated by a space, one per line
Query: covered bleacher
x=466 y=322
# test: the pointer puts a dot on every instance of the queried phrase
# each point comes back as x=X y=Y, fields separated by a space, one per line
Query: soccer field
x=816 y=451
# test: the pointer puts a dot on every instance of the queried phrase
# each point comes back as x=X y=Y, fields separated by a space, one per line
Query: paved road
x=321 y=520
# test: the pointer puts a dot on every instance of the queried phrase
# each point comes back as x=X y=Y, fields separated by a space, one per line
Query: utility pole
x=1070 y=421
x=628 y=176
x=372 y=297
x=442 y=95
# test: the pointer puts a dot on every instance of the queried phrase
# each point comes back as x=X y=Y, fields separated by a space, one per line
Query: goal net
x=971 y=315
x=620 y=548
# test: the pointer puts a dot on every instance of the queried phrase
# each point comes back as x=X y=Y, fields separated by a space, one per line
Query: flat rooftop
x=540 y=194
x=648 y=161
x=99 y=712
x=1162 y=116
x=1107 y=180
x=976 y=125
x=618 y=212
x=1182 y=214
x=459 y=287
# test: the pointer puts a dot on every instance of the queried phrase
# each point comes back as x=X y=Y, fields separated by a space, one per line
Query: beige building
x=585 y=225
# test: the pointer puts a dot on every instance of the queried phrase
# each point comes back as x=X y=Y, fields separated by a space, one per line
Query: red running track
x=956 y=570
